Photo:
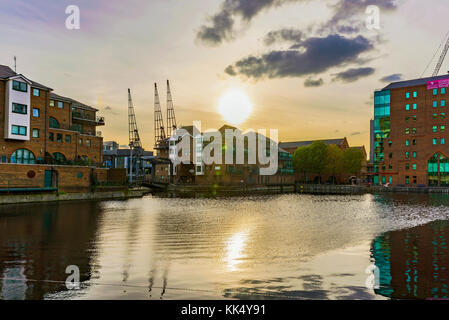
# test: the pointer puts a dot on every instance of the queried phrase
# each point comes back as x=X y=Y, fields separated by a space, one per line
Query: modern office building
x=410 y=146
x=115 y=157
x=38 y=126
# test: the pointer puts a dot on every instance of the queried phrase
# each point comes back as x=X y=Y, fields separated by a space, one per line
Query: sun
x=235 y=106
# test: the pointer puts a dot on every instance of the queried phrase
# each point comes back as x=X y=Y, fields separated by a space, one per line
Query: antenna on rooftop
x=15 y=64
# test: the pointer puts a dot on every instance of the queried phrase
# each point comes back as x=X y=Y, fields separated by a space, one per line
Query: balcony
x=78 y=129
x=87 y=118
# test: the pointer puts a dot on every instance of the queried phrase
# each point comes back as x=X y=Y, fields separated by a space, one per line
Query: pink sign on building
x=436 y=84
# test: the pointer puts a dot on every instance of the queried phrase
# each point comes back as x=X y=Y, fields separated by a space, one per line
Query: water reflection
x=235 y=247
x=413 y=263
x=37 y=243
x=260 y=247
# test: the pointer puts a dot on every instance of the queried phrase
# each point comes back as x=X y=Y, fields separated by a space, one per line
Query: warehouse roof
x=414 y=82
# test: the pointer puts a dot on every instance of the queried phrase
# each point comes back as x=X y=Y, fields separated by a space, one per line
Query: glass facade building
x=382 y=100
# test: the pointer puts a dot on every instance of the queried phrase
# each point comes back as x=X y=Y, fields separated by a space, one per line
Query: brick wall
x=69 y=178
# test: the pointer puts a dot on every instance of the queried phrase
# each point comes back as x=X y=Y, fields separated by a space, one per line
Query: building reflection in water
x=413 y=263
x=38 y=242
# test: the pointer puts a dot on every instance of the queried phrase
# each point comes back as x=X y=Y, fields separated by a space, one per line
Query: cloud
x=313 y=56
x=293 y=35
x=345 y=11
x=311 y=83
x=221 y=25
x=392 y=78
x=353 y=74
x=356 y=133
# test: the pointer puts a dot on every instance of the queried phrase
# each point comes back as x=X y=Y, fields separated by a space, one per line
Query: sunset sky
x=309 y=67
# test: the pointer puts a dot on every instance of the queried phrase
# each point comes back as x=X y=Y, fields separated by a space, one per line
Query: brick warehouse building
x=409 y=138
x=39 y=126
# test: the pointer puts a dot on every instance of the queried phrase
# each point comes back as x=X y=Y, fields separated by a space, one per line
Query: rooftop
x=74 y=103
x=6 y=73
x=297 y=144
x=415 y=82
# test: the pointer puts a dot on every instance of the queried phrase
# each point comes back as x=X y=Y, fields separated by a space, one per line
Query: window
x=35 y=133
x=407 y=166
x=443 y=128
x=52 y=103
x=390 y=143
x=36 y=92
x=407 y=131
x=407 y=180
x=88 y=143
x=435 y=104
x=415 y=106
x=434 y=129
x=53 y=123
x=414 y=166
x=414 y=130
x=36 y=112
x=443 y=115
x=415 y=180
x=443 y=103
x=435 y=92
x=415 y=154
x=407 y=142
x=407 y=95
x=19 y=130
x=414 y=142
x=407 y=119
x=23 y=156
x=59 y=157
x=60 y=104
x=68 y=138
x=434 y=141
x=390 y=167
x=407 y=155
x=443 y=90
x=415 y=94
x=435 y=115
x=81 y=141
x=19 y=86
x=19 y=108
x=59 y=137
x=414 y=118
x=407 y=107
x=51 y=136
x=443 y=141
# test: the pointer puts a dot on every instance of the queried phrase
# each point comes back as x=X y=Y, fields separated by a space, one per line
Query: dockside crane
x=159 y=130
x=171 y=118
x=135 y=143
x=442 y=57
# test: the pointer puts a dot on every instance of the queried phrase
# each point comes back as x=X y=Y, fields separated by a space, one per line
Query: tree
x=334 y=161
x=352 y=160
x=318 y=157
x=302 y=161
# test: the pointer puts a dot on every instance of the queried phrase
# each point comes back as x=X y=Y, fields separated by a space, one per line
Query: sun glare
x=235 y=107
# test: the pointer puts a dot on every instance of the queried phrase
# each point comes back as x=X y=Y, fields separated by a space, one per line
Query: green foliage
x=352 y=160
x=319 y=158
x=334 y=160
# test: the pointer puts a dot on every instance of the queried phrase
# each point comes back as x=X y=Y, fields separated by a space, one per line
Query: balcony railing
x=78 y=129
x=88 y=117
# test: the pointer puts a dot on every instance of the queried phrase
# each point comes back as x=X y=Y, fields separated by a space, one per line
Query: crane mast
x=442 y=57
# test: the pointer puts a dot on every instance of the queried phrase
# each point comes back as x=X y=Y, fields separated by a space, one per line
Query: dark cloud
x=356 y=133
x=292 y=35
x=314 y=55
x=345 y=11
x=353 y=74
x=221 y=27
x=392 y=78
x=310 y=83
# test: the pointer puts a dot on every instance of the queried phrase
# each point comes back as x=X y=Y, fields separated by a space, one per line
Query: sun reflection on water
x=235 y=249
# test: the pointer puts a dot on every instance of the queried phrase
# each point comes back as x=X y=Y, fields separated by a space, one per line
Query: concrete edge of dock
x=82 y=196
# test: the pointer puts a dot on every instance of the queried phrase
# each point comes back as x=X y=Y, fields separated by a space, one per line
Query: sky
x=309 y=67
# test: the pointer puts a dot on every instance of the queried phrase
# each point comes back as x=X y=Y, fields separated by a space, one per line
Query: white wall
x=11 y=118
